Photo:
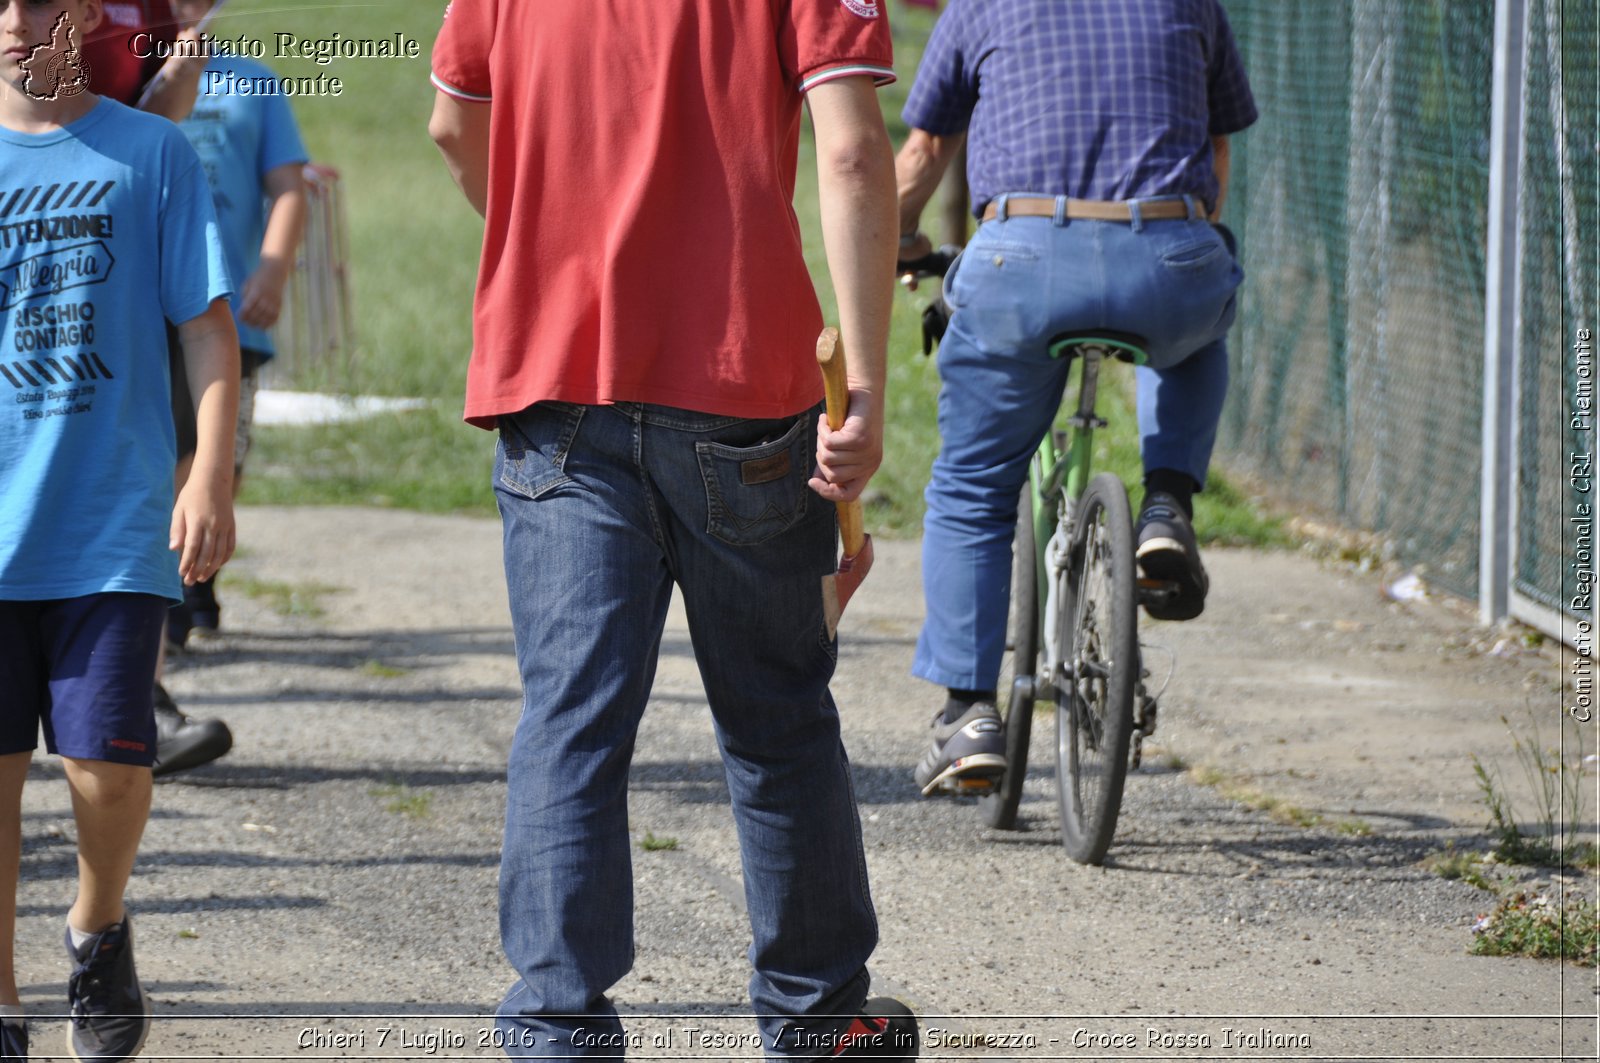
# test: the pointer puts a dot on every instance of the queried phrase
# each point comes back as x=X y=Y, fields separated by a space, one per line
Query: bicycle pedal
x=970 y=786
x=1156 y=590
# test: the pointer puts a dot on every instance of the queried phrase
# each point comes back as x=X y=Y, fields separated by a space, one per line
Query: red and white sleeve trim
x=460 y=94
x=880 y=75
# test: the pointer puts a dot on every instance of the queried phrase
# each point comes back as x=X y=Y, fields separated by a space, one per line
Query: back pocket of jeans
x=1197 y=255
x=756 y=492
x=534 y=446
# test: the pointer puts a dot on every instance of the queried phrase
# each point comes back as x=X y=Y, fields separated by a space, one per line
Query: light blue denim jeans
x=1021 y=282
x=604 y=508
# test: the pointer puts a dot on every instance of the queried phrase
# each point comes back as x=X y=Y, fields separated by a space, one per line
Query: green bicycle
x=1075 y=597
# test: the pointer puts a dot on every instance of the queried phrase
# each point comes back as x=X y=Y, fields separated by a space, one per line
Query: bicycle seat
x=1124 y=346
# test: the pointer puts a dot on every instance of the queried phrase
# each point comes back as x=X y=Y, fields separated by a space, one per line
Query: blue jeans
x=604 y=508
x=1022 y=281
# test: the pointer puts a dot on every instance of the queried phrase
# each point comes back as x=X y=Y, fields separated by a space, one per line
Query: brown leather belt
x=1088 y=209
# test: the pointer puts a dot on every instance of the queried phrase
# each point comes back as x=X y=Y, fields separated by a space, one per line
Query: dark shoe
x=14 y=1040
x=183 y=743
x=205 y=615
x=110 y=1015
x=885 y=1029
x=1168 y=555
x=180 y=621
x=967 y=756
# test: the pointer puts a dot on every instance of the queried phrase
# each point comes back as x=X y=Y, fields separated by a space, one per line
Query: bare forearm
x=1222 y=165
x=918 y=169
x=857 y=196
x=211 y=362
x=174 y=90
x=461 y=131
x=286 y=225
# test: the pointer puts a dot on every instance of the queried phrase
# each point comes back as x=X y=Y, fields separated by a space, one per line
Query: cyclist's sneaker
x=885 y=1029
x=205 y=614
x=110 y=1014
x=13 y=1040
x=967 y=756
x=182 y=742
x=1167 y=553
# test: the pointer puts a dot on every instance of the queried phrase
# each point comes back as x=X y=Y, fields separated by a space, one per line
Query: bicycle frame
x=1060 y=473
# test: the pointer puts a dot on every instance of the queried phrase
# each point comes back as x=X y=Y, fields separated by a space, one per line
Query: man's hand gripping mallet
x=837 y=587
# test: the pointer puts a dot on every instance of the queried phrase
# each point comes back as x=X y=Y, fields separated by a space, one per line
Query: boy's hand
x=202 y=529
x=261 y=302
x=846 y=459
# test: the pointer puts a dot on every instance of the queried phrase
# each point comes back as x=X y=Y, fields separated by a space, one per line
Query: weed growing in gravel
x=1559 y=800
x=651 y=844
x=1461 y=865
x=1276 y=808
x=1540 y=927
x=285 y=599
x=416 y=804
x=378 y=670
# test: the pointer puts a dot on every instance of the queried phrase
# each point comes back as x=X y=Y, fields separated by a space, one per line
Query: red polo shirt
x=641 y=243
x=115 y=69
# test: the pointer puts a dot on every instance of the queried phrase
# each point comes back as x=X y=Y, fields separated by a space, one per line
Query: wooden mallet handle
x=836 y=384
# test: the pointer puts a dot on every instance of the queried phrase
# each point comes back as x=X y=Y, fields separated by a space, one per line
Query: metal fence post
x=1500 y=313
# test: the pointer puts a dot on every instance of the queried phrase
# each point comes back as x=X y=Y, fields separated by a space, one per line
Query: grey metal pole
x=1500 y=314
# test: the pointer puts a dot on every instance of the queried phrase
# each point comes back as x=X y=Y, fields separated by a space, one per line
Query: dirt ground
x=328 y=889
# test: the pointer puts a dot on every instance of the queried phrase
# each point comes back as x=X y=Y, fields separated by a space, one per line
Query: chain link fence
x=1557 y=235
x=1362 y=202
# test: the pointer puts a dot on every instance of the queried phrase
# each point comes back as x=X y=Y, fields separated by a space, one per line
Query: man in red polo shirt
x=122 y=56
x=644 y=342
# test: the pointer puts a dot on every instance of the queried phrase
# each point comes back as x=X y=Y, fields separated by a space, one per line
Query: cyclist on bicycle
x=1096 y=134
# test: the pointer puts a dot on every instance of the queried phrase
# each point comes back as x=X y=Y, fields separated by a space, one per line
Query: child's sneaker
x=110 y=1014
x=885 y=1029
x=205 y=614
x=13 y=1040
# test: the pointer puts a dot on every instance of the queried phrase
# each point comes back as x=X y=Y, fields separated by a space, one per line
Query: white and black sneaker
x=1168 y=554
x=967 y=756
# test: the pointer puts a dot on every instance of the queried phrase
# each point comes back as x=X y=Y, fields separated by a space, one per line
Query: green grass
x=1540 y=927
x=652 y=844
x=285 y=599
x=414 y=247
x=404 y=801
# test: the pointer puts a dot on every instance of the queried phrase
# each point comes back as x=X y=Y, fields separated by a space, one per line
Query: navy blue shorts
x=85 y=668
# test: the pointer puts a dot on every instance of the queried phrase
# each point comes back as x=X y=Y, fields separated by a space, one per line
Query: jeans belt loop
x=1000 y=210
x=1192 y=205
x=1135 y=217
x=1061 y=210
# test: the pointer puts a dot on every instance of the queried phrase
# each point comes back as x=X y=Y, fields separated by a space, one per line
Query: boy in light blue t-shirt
x=254 y=159
x=106 y=232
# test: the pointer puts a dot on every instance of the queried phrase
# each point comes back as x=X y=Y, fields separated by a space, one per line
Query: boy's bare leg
x=110 y=803
x=13 y=773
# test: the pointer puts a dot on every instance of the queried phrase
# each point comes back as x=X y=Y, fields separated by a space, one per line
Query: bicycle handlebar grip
x=836 y=385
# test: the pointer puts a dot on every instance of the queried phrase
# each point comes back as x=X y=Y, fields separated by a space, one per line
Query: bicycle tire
x=1094 y=712
x=999 y=809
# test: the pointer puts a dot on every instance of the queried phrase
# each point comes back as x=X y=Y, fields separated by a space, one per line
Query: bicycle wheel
x=1022 y=637
x=1094 y=712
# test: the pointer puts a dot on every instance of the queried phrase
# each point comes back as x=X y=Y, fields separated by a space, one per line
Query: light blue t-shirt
x=240 y=138
x=106 y=228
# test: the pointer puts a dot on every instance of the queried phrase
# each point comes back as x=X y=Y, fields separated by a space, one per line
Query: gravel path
x=328 y=890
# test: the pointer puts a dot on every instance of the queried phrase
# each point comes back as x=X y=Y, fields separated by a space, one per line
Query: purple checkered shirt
x=1098 y=99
